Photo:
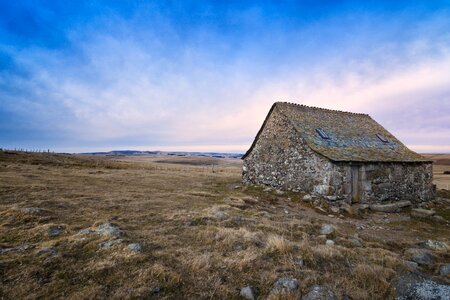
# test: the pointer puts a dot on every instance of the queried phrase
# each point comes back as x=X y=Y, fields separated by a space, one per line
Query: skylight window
x=382 y=138
x=322 y=134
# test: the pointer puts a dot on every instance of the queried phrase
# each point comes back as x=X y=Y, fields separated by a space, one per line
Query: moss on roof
x=353 y=136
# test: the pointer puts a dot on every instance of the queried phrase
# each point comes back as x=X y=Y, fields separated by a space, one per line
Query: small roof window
x=382 y=138
x=322 y=134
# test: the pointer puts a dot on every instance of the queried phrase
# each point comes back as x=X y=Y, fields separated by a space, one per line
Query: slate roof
x=353 y=136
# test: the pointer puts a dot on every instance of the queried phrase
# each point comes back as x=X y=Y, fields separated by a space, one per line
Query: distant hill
x=177 y=153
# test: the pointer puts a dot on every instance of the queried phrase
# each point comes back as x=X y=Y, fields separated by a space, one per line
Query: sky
x=78 y=76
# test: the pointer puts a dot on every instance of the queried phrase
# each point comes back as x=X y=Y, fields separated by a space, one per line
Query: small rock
x=155 y=290
x=319 y=292
x=389 y=208
x=420 y=256
x=326 y=229
x=307 y=198
x=435 y=245
x=86 y=231
x=109 y=229
x=285 y=285
x=403 y=204
x=362 y=207
x=247 y=293
x=348 y=209
x=49 y=251
x=418 y=287
x=444 y=270
x=265 y=214
x=329 y=243
x=267 y=189
x=109 y=244
x=55 y=230
x=278 y=192
x=356 y=242
x=286 y=211
x=335 y=209
x=20 y=248
x=31 y=210
x=136 y=247
x=412 y=265
x=422 y=213
x=220 y=215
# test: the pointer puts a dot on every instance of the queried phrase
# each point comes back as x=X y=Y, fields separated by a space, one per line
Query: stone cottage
x=337 y=155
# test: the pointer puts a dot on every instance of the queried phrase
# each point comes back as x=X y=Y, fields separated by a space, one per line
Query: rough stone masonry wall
x=280 y=159
x=387 y=181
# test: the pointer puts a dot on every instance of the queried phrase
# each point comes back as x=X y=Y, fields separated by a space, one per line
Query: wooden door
x=356 y=196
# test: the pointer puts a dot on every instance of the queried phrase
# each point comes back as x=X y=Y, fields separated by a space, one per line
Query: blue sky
x=201 y=75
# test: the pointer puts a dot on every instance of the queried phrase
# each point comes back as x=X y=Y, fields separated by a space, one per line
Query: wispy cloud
x=141 y=80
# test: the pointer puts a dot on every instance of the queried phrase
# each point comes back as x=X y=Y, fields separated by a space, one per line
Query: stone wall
x=281 y=159
x=380 y=182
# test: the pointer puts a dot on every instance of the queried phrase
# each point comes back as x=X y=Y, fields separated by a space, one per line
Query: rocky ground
x=101 y=227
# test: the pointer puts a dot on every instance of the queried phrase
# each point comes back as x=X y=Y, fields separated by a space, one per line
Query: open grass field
x=69 y=226
x=441 y=164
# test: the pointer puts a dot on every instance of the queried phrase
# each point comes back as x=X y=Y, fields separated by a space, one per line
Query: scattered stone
x=348 y=209
x=55 y=230
x=265 y=214
x=329 y=243
x=411 y=265
x=435 y=245
x=48 y=251
x=422 y=213
x=220 y=215
x=319 y=292
x=307 y=198
x=362 y=207
x=284 y=285
x=331 y=216
x=335 y=209
x=267 y=189
x=356 y=242
x=109 y=229
x=87 y=231
x=20 y=248
x=278 y=192
x=403 y=204
x=31 y=210
x=444 y=270
x=136 y=247
x=247 y=293
x=390 y=208
x=420 y=256
x=286 y=211
x=418 y=287
x=326 y=229
x=109 y=244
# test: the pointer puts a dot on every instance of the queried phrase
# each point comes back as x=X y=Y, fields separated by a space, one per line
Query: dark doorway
x=356 y=193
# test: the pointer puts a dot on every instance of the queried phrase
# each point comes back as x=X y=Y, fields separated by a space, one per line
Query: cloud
x=125 y=82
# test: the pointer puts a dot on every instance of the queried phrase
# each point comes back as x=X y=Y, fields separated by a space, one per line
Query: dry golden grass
x=201 y=237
